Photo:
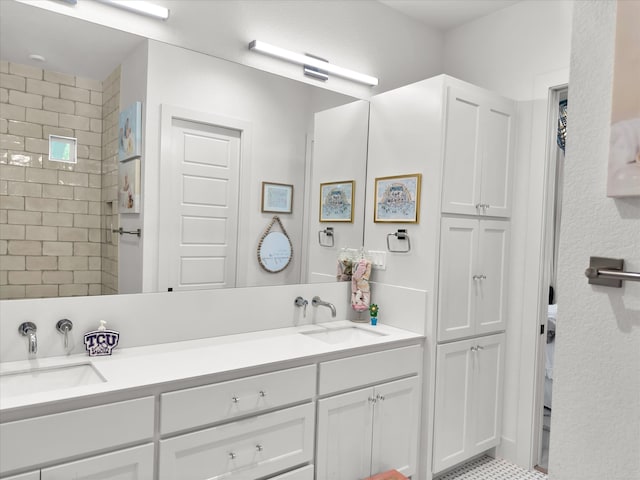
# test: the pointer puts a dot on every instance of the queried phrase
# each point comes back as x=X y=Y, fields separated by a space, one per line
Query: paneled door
x=198 y=235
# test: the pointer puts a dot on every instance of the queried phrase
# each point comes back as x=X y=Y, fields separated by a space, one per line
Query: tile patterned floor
x=487 y=468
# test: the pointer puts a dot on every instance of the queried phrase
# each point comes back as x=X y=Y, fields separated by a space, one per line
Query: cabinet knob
x=262 y=393
x=476 y=277
x=372 y=400
x=483 y=277
x=235 y=399
x=259 y=447
x=380 y=397
x=474 y=349
x=232 y=455
x=479 y=347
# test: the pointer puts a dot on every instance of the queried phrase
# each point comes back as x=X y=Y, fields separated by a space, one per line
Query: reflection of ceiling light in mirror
x=322 y=65
x=139 y=6
x=37 y=58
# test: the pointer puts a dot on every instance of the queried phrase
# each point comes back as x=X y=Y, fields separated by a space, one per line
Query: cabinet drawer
x=251 y=448
x=130 y=464
x=304 y=473
x=54 y=437
x=352 y=372
x=214 y=403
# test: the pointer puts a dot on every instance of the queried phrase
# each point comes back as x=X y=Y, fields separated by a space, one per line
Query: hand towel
x=360 y=293
x=344 y=271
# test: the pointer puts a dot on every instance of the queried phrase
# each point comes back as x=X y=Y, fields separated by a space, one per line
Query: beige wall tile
x=21 y=217
x=86 y=249
x=89 y=83
x=42 y=263
x=4 y=66
x=95 y=289
x=25 y=129
x=24 y=247
x=4 y=277
x=95 y=153
x=75 y=94
x=84 y=109
x=3 y=247
x=95 y=235
x=11 y=203
x=25 y=70
x=12 y=172
x=4 y=125
x=58 y=105
x=74 y=179
x=25 y=159
x=25 y=278
x=86 y=221
x=41 y=233
x=62 y=131
x=41 y=175
x=95 y=263
x=74 y=121
x=73 y=290
x=12 y=262
x=57 y=219
x=42 y=117
x=96 y=126
x=12 y=232
x=22 y=99
x=57 y=248
x=37 y=145
x=82 y=193
x=57 y=277
x=89 y=138
x=62 y=192
x=96 y=98
x=12 y=291
x=13 y=82
x=68 y=234
x=95 y=181
x=56 y=77
x=73 y=263
x=83 y=151
x=4 y=215
x=87 y=276
x=43 y=88
x=11 y=142
x=24 y=189
x=41 y=204
x=73 y=206
x=14 y=112
x=41 y=291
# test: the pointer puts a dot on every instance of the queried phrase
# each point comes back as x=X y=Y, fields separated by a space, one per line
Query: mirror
x=63 y=225
x=274 y=252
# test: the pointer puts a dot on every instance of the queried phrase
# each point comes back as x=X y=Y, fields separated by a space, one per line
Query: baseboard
x=507 y=450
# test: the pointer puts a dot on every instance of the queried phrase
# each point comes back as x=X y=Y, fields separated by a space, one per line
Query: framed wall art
x=336 y=201
x=277 y=198
x=397 y=199
x=130 y=132
x=129 y=186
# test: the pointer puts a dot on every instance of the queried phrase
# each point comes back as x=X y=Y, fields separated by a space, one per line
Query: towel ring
x=401 y=234
x=328 y=233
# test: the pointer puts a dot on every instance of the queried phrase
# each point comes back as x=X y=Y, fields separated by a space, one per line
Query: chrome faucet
x=301 y=302
x=29 y=329
x=315 y=301
x=64 y=326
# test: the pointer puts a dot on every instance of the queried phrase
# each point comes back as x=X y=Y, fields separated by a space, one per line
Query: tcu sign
x=101 y=342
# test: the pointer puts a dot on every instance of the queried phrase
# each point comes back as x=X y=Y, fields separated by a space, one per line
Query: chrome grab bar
x=609 y=272
x=122 y=231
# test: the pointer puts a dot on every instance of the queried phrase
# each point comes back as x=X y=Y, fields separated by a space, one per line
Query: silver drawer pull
x=474 y=349
x=259 y=448
x=372 y=400
x=235 y=399
x=380 y=397
x=232 y=455
x=479 y=347
x=262 y=393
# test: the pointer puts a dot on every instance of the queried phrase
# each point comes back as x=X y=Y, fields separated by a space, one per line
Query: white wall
x=595 y=429
x=519 y=52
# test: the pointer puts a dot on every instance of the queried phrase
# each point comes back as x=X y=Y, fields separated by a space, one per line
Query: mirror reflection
x=212 y=132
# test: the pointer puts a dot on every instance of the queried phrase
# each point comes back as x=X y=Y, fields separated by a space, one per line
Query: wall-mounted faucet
x=29 y=329
x=317 y=301
x=301 y=302
x=64 y=326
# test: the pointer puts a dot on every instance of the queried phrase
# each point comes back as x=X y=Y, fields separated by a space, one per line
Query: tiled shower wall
x=50 y=212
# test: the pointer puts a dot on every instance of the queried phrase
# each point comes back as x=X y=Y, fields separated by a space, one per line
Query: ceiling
x=447 y=14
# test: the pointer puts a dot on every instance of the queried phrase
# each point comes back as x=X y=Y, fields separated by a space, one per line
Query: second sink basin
x=48 y=378
x=343 y=334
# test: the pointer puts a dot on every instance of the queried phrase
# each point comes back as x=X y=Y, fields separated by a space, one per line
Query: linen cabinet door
x=396 y=426
x=458 y=286
x=488 y=378
x=462 y=152
x=492 y=286
x=343 y=447
x=452 y=422
x=497 y=165
x=131 y=464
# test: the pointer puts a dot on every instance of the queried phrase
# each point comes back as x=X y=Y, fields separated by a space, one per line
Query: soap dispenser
x=101 y=341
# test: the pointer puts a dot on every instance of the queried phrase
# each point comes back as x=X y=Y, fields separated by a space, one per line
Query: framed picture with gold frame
x=397 y=199
x=277 y=198
x=336 y=201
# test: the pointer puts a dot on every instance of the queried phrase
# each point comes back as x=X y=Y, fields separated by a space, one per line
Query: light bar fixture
x=140 y=6
x=262 y=47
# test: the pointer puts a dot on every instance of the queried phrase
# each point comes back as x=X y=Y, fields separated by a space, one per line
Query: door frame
x=167 y=114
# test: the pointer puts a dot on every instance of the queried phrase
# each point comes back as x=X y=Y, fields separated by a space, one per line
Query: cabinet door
x=452 y=425
x=498 y=143
x=462 y=152
x=396 y=427
x=131 y=464
x=344 y=435
x=488 y=375
x=491 y=288
x=457 y=287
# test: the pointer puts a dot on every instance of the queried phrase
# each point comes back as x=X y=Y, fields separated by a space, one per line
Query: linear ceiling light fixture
x=140 y=6
x=322 y=65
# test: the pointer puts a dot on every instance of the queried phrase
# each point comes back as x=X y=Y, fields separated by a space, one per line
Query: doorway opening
x=557 y=123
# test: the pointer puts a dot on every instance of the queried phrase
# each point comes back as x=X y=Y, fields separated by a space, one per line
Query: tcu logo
x=101 y=342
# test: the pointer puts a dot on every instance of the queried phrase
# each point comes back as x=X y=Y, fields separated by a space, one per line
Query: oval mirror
x=275 y=252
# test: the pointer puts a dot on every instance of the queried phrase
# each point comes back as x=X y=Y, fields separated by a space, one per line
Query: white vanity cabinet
x=478 y=151
x=468 y=401
x=473 y=277
x=24 y=476
x=372 y=429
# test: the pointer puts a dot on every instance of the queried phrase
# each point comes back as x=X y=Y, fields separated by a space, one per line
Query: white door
x=396 y=426
x=487 y=360
x=498 y=143
x=131 y=464
x=344 y=436
x=462 y=152
x=457 y=286
x=493 y=261
x=198 y=237
x=452 y=423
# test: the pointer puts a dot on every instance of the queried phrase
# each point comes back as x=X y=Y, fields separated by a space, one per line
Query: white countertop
x=139 y=367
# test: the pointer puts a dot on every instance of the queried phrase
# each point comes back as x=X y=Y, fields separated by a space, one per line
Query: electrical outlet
x=378 y=259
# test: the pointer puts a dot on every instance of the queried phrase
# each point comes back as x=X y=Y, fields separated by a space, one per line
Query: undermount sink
x=342 y=335
x=48 y=378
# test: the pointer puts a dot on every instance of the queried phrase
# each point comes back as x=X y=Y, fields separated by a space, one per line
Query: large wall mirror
x=212 y=132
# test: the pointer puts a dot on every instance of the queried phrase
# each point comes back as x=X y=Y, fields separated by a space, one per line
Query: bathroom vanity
x=290 y=403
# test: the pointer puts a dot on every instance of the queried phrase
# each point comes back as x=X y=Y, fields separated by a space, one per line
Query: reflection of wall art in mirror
x=129 y=186
x=398 y=199
x=130 y=132
x=275 y=250
x=277 y=197
x=336 y=201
